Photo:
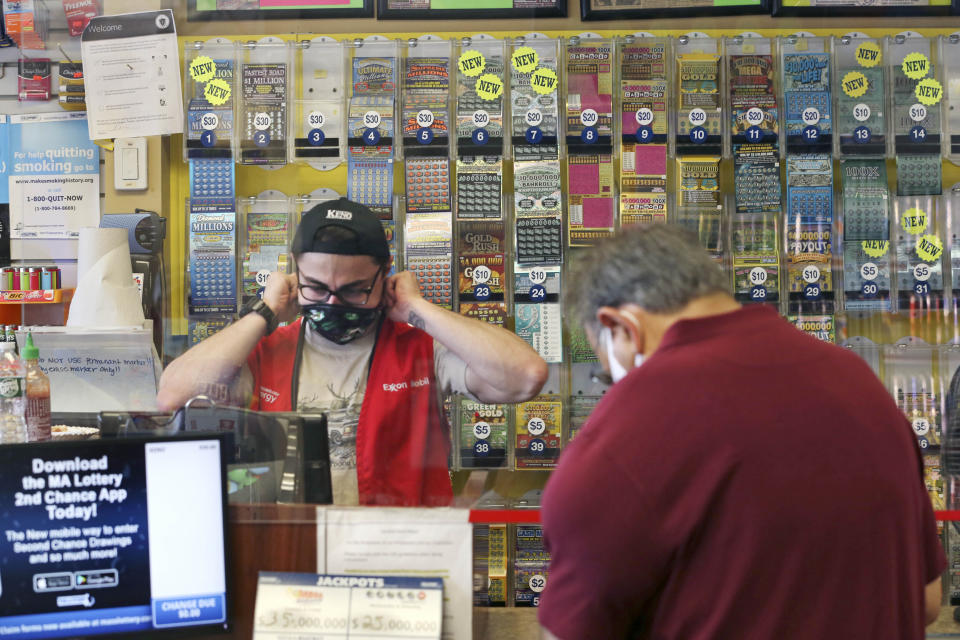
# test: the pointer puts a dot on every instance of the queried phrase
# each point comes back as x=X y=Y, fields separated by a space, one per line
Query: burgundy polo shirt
x=746 y=482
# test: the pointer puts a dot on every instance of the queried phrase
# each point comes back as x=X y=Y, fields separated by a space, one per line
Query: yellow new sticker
x=875 y=248
x=929 y=91
x=217 y=91
x=915 y=66
x=929 y=248
x=544 y=81
x=489 y=86
x=868 y=54
x=471 y=63
x=914 y=221
x=855 y=84
x=525 y=59
x=203 y=68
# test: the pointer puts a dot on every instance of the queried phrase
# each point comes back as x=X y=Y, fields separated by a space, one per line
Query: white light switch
x=130 y=164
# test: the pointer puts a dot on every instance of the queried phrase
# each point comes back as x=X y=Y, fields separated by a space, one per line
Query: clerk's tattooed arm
x=500 y=366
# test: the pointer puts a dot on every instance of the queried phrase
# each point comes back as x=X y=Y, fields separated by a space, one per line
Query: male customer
x=739 y=480
x=369 y=351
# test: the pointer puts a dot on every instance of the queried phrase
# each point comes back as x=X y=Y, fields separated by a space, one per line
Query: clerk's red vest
x=403 y=440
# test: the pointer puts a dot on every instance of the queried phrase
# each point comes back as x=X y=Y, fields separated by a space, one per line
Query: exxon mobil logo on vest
x=268 y=396
x=337 y=214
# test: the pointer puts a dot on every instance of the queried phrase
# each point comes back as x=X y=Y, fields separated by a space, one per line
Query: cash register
x=271 y=457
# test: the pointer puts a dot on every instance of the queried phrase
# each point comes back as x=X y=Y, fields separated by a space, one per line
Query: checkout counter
x=277 y=472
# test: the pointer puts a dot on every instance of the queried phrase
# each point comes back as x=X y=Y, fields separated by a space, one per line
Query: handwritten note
x=99 y=371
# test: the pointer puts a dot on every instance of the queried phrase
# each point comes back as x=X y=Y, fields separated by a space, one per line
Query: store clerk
x=369 y=352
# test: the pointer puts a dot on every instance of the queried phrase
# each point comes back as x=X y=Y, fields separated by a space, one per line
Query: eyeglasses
x=319 y=292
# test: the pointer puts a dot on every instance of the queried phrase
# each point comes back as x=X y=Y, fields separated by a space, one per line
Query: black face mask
x=339 y=323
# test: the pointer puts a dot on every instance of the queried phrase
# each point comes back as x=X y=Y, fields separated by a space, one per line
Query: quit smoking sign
x=53 y=176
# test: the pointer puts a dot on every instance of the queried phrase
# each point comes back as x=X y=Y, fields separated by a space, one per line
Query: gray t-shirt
x=333 y=379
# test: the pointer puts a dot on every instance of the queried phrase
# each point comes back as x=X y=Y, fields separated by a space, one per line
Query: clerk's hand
x=401 y=293
x=280 y=294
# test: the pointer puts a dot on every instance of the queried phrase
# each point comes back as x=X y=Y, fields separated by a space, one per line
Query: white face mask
x=617 y=372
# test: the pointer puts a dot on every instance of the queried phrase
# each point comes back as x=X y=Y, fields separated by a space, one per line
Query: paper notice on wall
x=404 y=542
x=131 y=68
x=53 y=176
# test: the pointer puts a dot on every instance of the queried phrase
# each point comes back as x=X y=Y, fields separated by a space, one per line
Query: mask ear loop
x=617 y=372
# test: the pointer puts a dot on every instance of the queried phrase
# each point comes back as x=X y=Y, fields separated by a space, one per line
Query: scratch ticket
x=589 y=89
x=483 y=435
x=591 y=203
x=537 y=310
x=538 y=426
x=821 y=327
x=531 y=564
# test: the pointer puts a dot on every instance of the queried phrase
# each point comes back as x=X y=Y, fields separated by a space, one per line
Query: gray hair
x=659 y=267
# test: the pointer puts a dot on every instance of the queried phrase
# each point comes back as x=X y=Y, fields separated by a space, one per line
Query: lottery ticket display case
x=643 y=122
x=266 y=227
x=265 y=73
x=208 y=98
x=319 y=117
x=372 y=128
x=950 y=45
x=482 y=216
x=810 y=226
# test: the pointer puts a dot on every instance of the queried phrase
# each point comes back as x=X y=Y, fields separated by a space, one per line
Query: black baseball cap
x=368 y=236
